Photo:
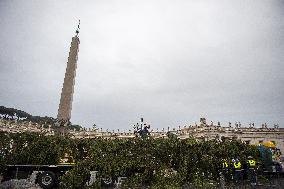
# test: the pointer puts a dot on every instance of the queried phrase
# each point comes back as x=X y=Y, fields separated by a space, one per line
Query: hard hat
x=250 y=157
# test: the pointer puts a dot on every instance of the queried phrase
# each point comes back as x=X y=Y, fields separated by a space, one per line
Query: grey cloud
x=171 y=62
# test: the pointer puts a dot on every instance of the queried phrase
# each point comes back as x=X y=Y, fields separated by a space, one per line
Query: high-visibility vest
x=251 y=163
x=225 y=164
x=237 y=165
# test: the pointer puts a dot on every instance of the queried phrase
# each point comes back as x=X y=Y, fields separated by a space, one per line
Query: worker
x=67 y=159
x=237 y=168
x=277 y=154
x=225 y=170
x=251 y=166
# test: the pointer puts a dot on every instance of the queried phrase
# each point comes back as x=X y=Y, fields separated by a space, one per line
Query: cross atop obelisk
x=65 y=106
x=78 y=29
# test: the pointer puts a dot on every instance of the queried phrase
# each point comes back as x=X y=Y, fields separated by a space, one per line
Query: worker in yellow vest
x=237 y=168
x=226 y=170
x=251 y=169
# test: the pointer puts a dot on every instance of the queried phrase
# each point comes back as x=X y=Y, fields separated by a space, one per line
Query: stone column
x=65 y=106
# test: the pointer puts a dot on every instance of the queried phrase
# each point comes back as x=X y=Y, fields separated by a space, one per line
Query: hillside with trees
x=20 y=115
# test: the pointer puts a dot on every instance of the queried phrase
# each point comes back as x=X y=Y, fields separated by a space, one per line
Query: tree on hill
x=10 y=113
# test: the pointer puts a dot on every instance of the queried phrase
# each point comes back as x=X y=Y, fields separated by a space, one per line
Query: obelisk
x=65 y=106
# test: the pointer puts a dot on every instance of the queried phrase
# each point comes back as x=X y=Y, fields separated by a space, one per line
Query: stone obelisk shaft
x=65 y=106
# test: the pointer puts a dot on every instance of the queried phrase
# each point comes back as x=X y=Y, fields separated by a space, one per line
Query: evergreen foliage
x=145 y=161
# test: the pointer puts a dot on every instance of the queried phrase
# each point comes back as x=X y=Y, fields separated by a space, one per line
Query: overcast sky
x=169 y=61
